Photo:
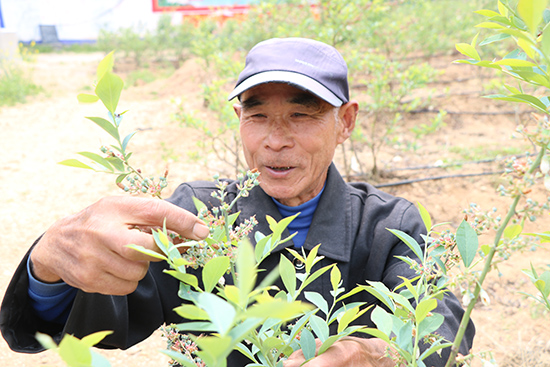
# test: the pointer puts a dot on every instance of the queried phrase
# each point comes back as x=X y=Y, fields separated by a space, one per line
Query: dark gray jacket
x=351 y=224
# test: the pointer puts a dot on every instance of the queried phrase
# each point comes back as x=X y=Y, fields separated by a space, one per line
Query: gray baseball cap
x=304 y=63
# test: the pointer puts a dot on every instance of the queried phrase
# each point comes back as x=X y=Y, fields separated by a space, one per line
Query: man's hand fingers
x=152 y=212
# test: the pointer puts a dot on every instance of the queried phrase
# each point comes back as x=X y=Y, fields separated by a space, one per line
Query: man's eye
x=298 y=114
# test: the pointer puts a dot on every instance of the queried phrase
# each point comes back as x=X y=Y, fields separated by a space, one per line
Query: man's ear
x=348 y=115
x=237 y=108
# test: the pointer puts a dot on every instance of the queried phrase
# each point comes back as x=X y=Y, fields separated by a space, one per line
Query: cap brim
x=295 y=79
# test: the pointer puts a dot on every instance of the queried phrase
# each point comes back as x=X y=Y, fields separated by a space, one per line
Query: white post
x=8 y=44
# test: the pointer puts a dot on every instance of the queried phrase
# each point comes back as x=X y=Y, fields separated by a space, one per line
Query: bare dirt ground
x=51 y=127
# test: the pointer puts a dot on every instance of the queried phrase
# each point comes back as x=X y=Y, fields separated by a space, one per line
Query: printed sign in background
x=202 y=7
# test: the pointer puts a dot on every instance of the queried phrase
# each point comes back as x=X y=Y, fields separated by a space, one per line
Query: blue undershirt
x=302 y=222
x=52 y=302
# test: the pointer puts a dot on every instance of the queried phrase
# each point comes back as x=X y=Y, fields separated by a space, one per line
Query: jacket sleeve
x=18 y=321
x=132 y=318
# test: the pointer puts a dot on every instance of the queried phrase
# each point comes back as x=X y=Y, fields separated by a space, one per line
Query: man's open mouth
x=279 y=168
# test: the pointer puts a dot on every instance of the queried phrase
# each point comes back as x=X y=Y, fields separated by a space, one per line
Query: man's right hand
x=88 y=250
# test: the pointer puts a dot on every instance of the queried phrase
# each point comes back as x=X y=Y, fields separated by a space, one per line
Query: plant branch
x=487 y=268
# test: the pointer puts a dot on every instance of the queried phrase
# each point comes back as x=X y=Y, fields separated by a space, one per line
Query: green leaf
x=502 y=9
x=422 y=309
x=467 y=242
x=118 y=164
x=347 y=318
x=468 y=50
x=430 y=324
x=382 y=320
x=221 y=313
x=261 y=249
x=127 y=140
x=108 y=89
x=522 y=98
x=409 y=241
x=288 y=275
x=189 y=279
x=45 y=340
x=105 y=65
x=380 y=291
x=93 y=339
x=214 y=349
x=278 y=309
x=98 y=159
x=544 y=236
x=243 y=329
x=87 y=98
x=278 y=228
x=199 y=205
x=531 y=11
x=246 y=270
x=74 y=352
x=512 y=89
x=311 y=258
x=376 y=333
x=410 y=287
x=147 y=252
x=482 y=63
x=490 y=25
x=245 y=351
x=98 y=360
x=315 y=275
x=106 y=125
x=404 y=335
x=545 y=42
x=527 y=45
x=232 y=218
x=328 y=343
x=487 y=13
x=213 y=271
x=197 y=326
x=317 y=300
x=425 y=215
x=335 y=278
x=494 y=38
x=75 y=163
x=319 y=327
x=191 y=312
x=307 y=344
x=512 y=231
x=515 y=63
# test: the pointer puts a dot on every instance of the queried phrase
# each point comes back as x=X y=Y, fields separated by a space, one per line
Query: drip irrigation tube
x=407 y=182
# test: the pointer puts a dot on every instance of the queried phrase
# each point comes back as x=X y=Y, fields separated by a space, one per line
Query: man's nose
x=279 y=136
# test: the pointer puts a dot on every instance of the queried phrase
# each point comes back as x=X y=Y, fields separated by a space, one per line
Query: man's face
x=290 y=136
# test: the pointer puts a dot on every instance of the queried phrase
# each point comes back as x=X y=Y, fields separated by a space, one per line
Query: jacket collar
x=331 y=225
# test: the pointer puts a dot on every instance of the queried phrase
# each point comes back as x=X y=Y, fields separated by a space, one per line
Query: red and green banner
x=202 y=7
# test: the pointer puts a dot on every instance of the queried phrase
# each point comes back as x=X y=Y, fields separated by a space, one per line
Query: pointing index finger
x=153 y=212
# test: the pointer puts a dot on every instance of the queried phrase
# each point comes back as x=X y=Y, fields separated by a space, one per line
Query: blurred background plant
x=15 y=81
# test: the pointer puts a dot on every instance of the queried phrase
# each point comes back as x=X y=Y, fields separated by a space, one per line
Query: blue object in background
x=1 y=19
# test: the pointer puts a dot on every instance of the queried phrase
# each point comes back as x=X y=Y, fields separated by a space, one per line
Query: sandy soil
x=51 y=127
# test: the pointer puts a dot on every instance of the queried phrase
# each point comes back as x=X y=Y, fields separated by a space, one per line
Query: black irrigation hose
x=425 y=110
x=488 y=160
x=406 y=182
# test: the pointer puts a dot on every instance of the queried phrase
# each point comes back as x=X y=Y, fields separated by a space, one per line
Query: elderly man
x=294 y=110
